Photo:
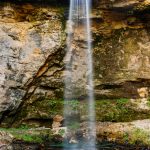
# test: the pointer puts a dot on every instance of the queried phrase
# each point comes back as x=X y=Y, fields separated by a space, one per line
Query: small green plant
x=52 y=103
x=29 y=138
x=122 y=101
x=29 y=135
x=24 y=126
x=126 y=137
x=61 y=132
x=148 y=102
x=74 y=126
x=139 y=136
x=112 y=110
x=25 y=137
x=73 y=104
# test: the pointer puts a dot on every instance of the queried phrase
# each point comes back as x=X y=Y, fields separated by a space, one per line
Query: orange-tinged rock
x=42 y=70
x=58 y=118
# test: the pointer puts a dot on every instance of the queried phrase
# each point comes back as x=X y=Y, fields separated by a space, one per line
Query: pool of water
x=19 y=145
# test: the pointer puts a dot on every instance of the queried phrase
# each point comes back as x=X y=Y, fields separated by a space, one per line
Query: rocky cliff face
x=31 y=42
x=121 y=48
x=32 y=45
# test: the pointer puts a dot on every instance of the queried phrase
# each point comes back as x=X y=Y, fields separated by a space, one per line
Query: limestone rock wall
x=121 y=49
x=30 y=40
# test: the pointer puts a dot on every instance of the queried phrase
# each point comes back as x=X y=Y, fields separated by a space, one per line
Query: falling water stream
x=79 y=77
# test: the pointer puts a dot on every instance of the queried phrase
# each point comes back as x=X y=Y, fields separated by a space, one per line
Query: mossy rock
x=120 y=110
x=42 y=112
x=23 y=133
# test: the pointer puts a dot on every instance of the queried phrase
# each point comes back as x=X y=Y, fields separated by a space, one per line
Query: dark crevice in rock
x=18 y=144
x=127 y=89
x=109 y=86
x=50 y=62
x=3 y=115
x=41 y=121
x=48 y=87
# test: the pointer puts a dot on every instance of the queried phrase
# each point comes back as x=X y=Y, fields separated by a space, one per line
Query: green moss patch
x=42 y=111
x=137 y=136
x=119 y=110
x=29 y=135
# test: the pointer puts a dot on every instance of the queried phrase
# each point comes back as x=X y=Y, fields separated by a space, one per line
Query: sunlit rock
x=143 y=92
x=57 y=120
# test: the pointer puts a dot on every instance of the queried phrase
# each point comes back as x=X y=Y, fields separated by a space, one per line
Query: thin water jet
x=79 y=76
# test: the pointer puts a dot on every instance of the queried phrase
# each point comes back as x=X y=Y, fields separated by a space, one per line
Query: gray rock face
x=24 y=48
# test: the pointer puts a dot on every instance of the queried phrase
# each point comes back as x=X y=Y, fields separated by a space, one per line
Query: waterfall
x=78 y=75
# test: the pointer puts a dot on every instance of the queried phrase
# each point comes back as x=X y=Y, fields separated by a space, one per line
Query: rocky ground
x=128 y=135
